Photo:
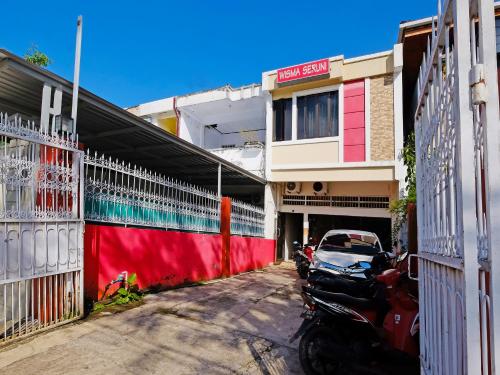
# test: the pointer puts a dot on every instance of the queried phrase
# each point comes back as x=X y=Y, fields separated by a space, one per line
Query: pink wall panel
x=354 y=137
x=354 y=121
x=354 y=104
x=249 y=253
x=158 y=257
x=354 y=88
x=164 y=258
x=354 y=153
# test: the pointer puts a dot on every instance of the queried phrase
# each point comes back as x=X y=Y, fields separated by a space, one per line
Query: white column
x=76 y=75
x=341 y=123
x=400 y=170
x=487 y=44
x=219 y=180
x=270 y=211
x=269 y=134
x=50 y=111
x=305 y=238
x=466 y=199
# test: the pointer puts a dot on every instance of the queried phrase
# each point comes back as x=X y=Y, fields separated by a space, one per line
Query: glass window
x=351 y=243
x=282 y=120
x=318 y=115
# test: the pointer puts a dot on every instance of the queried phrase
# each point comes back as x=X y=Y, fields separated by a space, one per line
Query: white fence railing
x=120 y=193
x=35 y=303
x=41 y=226
x=246 y=219
x=458 y=192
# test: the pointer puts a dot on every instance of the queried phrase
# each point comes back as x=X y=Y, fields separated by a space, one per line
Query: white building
x=229 y=122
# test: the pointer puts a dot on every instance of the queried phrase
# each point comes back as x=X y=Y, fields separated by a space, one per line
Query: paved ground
x=239 y=325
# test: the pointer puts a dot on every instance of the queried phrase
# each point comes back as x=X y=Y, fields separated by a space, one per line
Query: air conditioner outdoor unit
x=293 y=187
x=320 y=188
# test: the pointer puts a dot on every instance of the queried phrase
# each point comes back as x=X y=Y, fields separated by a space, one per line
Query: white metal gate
x=458 y=192
x=41 y=227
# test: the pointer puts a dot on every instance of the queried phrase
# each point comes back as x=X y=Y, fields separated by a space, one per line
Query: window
x=282 y=120
x=318 y=115
x=351 y=243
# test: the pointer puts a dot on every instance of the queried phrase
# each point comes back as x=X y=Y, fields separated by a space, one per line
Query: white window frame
x=319 y=90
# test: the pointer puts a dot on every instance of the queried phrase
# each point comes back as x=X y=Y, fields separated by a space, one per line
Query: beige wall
x=312 y=153
x=340 y=70
x=335 y=174
x=319 y=161
x=382 y=118
x=364 y=188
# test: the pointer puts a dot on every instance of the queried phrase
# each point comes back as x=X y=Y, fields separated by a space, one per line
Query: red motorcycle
x=303 y=257
x=342 y=334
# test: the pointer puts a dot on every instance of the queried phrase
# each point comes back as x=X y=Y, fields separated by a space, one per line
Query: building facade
x=334 y=131
x=229 y=122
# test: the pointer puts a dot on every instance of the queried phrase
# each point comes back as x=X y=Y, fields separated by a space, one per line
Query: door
x=280 y=241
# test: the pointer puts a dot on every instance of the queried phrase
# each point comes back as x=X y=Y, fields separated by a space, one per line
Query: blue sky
x=138 y=51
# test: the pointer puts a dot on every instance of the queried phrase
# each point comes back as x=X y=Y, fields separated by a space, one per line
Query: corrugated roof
x=107 y=128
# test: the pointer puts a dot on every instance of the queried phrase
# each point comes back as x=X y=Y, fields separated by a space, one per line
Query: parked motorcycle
x=348 y=327
x=303 y=256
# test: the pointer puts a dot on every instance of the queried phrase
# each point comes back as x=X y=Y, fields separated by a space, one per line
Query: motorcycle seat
x=342 y=298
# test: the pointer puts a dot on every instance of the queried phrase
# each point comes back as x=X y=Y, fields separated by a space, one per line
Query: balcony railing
x=250 y=157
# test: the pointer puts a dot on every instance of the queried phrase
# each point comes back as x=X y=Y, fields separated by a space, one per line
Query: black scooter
x=303 y=258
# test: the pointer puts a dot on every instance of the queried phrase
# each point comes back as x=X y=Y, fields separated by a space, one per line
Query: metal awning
x=109 y=129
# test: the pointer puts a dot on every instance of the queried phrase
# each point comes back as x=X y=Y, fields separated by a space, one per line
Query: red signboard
x=310 y=69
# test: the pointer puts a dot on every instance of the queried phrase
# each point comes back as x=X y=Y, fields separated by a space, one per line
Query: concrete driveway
x=239 y=325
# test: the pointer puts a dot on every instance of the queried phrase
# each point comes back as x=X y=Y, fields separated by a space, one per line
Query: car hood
x=341 y=259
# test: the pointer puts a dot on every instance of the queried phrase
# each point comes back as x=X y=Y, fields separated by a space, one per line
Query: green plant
x=399 y=207
x=36 y=57
x=128 y=292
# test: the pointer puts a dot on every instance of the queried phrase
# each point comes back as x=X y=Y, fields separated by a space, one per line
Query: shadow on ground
x=239 y=325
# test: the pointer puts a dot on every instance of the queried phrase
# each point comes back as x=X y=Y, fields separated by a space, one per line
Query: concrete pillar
x=305 y=229
x=270 y=209
x=225 y=231
x=288 y=237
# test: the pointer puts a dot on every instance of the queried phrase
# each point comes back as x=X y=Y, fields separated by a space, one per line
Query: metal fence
x=120 y=193
x=458 y=189
x=246 y=219
x=41 y=226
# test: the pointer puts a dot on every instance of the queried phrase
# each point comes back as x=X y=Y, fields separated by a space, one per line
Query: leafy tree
x=37 y=57
x=399 y=207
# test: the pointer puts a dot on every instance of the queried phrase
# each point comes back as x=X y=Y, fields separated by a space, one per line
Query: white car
x=341 y=248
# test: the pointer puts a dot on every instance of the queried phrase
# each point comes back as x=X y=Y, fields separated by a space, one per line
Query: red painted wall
x=354 y=121
x=164 y=258
x=250 y=253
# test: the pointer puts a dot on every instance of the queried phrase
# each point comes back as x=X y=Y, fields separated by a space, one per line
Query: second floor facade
x=335 y=119
x=227 y=121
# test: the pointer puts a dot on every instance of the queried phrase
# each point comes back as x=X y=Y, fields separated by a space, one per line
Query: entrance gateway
x=458 y=192
x=41 y=223
x=304 y=217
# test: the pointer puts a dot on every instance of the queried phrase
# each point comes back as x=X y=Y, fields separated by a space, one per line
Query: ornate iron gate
x=458 y=191
x=41 y=227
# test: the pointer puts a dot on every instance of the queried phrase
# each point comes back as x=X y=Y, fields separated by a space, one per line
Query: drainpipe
x=177 y=116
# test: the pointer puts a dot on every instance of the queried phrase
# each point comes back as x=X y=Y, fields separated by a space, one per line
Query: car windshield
x=361 y=244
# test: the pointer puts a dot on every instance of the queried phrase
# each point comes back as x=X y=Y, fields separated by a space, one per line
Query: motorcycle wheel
x=312 y=360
